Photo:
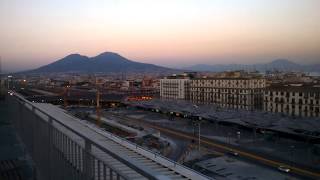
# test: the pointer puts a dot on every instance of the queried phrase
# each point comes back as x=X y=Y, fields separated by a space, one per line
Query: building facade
x=233 y=92
x=295 y=100
x=174 y=88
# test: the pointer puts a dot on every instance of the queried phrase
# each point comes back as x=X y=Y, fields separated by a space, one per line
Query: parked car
x=284 y=169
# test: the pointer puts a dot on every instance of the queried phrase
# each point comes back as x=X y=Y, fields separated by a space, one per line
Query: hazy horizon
x=173 y=33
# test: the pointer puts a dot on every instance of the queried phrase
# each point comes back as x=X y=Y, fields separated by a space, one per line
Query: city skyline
x=167 y=33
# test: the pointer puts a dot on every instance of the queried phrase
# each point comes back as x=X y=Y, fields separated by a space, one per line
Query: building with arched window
x=293 y=99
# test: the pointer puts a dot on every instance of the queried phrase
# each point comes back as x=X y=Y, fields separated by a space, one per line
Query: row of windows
x=293 y=110
x=299 y=113
x=229 y=104
x=287 y=94
x=292 y=100
x=311 y=108
x=195 y=90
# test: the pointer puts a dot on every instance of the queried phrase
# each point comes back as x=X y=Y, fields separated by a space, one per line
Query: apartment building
x=175 y=87
x=293 y=99
x=233 y=92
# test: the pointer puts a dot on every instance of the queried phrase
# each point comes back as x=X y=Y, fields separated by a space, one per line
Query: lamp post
x=292 y=149
x=229 y=137
x=198 y=122
x=9 y=79
x=171 y=116
x=199 y=133
x=239 y=136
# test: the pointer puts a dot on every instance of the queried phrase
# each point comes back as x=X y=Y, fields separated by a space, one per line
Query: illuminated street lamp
x=292 y=150
x=198 y=122
x=9 y=79
x=239 y=135
x=199 y=140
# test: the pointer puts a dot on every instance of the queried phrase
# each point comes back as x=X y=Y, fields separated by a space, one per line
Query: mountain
x=107 y=62
x=73 y=62
x=278 y=64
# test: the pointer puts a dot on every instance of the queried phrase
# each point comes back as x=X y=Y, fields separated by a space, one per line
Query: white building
x=175 y=87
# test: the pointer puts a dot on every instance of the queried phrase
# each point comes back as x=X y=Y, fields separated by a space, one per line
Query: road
x=212 y=143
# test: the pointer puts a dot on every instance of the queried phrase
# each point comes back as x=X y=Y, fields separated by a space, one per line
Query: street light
x=199 y=123
x=229 y=137
x=292 y=157
x=170 y=117
x=199 y=127
x=239 y=135
x=9 y=78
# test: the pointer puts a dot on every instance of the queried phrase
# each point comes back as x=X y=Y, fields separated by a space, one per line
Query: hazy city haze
x=168 y=32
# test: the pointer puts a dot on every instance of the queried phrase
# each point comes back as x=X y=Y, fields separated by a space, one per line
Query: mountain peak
x=73 y=55
x=74 y=58
x=281 y=61
x=111 y=57
x=109 y=54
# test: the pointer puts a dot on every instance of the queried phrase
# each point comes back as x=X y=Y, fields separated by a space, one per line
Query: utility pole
x=199 y=124
x=292 y=157
x=98 y=107
x=199 y=127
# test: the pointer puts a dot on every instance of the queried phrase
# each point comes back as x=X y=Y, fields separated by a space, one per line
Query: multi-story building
x=175 y=87
x=293 y=99
x=234 y=92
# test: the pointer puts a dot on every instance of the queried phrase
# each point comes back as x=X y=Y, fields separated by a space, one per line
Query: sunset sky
x=172 y=33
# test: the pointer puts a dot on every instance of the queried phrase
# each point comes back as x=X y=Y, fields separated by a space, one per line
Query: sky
x=174 y=33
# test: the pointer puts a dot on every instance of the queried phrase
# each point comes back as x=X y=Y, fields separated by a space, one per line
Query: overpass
x=64 y=147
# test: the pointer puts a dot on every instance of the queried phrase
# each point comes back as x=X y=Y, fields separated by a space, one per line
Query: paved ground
x=245 y=140
x=14 y=164
x=293 y=151
x=228 y=135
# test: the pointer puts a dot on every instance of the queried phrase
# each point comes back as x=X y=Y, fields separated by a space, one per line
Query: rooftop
x=307 y=127
x=298 y=87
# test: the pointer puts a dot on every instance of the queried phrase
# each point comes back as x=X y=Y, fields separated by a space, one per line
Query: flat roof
x=302 y=126
x=231 y=168
x=229 y=78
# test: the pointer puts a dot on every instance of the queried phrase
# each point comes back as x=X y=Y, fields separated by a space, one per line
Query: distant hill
x=279 y=64
x=107 y=62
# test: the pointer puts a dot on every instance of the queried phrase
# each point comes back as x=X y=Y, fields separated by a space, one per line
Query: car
x=284 y=169
x=233 y=153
